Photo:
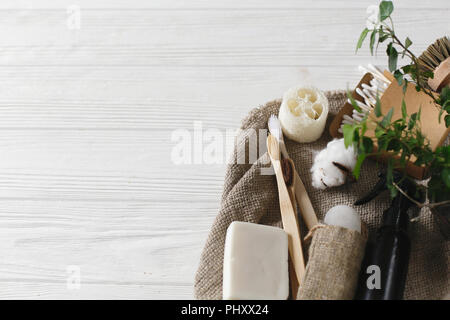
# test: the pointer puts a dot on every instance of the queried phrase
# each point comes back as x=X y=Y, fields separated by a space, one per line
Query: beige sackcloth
x=251 y=196
x=334 y=263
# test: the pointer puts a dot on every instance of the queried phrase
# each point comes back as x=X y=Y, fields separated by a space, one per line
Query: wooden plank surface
x=87 y=117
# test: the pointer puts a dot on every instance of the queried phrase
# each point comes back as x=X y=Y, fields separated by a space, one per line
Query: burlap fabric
x=335 y=257
x=251 y=196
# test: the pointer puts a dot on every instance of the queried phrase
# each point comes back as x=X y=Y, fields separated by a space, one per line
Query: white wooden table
x=87 y=110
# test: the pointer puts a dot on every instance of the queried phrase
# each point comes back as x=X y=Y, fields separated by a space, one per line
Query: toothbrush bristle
x=275 y=127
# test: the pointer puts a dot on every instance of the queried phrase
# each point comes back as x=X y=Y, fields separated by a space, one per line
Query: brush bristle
x=435 y=54
x=286 y=169
x=275 y=127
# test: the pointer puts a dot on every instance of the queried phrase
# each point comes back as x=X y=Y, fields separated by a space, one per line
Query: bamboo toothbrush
x=301 y=196
x=287 y=166
x=288 y=215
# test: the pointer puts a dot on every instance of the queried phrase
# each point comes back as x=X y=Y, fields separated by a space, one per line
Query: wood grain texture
x=86 y=118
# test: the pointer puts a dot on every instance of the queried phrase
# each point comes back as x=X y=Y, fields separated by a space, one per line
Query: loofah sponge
x=303 y=113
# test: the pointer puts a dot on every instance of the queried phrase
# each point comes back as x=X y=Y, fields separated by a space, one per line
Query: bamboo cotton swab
x=369 y=93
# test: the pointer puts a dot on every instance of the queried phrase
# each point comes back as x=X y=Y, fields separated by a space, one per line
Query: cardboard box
x=435 y=132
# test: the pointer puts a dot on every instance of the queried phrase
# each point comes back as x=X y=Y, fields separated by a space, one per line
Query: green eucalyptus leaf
x=353 y=101
x=379 y=132
x=390 y=177
x=407 y=68
x=367 y=144
x=404 y=113
x=392 y=57
x=445 y=174
x=446 y=106
x=356 y=134
x=444 y=98
x=408 y=42
x=349 y=132
x=428 y=74
x=447 y=120
x=399 y=76
x=383 y=142
x=363 y=127
x=445 y=93
x=373 y=36
x=386 y=8
x=361 y=38
x=412 y=121
x=441 y=112
x=383 y=38
x=359 y=162
x=393 y=191
x=387 y=118
x=377 y=109
x=405 y=85
x=394 y=145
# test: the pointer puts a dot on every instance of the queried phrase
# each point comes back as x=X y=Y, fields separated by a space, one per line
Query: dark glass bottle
x=389 y=253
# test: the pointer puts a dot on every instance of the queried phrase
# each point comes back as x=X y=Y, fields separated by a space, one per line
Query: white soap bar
x=255 y=263
x=343 y=216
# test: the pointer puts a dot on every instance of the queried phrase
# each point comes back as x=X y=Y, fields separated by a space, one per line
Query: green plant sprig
x=385 y=32
x=402 y=138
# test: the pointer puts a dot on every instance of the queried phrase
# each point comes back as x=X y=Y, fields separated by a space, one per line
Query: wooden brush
x=287 y=167
x=437 y=59
x=301 y=196
x=288 y=213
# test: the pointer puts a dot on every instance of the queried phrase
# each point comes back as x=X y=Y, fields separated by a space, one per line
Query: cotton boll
x=326 y=174
x=337 y=152
x=324 y=171
x=343 y=216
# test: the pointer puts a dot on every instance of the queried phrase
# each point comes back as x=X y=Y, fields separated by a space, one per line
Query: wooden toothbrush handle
x=290 y=224
x=295 y=282
x=304 y=203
